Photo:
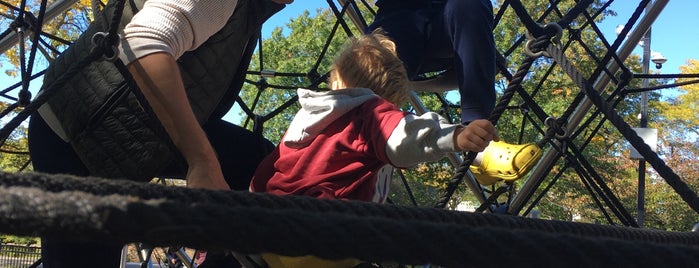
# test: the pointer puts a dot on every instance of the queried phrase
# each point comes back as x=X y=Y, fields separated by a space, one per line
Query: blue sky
x=675 y=33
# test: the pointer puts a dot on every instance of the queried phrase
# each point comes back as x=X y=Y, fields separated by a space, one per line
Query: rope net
x=538 y=51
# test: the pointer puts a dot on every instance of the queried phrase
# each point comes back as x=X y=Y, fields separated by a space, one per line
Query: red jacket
x=337 y=147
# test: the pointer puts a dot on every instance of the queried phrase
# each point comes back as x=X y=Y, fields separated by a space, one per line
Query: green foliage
x=302 y=50
x=18 y=240
x=677 y=122
x=14 y=151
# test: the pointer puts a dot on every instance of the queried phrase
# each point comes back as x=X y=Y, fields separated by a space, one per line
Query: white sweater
x=173 y=26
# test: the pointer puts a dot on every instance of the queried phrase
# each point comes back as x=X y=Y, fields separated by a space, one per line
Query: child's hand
x=475 y=136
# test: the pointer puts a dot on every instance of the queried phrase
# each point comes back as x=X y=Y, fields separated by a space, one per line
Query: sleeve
x=417 y=139
x=173 y=26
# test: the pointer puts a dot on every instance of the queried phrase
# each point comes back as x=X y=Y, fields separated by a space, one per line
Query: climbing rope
x=65 y=206
x=153 y=192
x=651 y=157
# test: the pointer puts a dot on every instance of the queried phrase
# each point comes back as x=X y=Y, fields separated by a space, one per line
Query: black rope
x=492 y=198
x=24 y=96
x=666 y=76
x=4 y=92
x=18 y=25
x=594 y=192
x=236 y=199
x=408 y=190
x=158 y=222
x=8 y=110
x=531 y=25
x=584 y=168
x=671 y=85
x=651 y=157
x=574 y=12
x=611 y=52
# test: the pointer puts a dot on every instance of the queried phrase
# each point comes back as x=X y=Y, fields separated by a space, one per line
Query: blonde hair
x=371 y=61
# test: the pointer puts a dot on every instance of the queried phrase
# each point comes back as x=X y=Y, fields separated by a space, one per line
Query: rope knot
x=105 y=44
x=556 y=127
x=625 y=76
x=25 y=96
x=314 y=76
x=17 y=25
x=536 y=45
x=262 y=83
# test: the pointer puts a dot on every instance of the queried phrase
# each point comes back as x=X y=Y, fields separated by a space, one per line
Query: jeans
x=448 y=34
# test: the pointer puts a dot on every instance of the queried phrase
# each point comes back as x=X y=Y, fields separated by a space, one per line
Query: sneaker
x=503 y=161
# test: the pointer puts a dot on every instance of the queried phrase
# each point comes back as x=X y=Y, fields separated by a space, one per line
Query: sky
x=675 y=33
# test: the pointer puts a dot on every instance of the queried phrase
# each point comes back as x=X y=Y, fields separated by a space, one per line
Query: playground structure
x=600 y=91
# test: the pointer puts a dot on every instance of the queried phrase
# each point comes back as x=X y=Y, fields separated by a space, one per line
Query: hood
x=319 y=109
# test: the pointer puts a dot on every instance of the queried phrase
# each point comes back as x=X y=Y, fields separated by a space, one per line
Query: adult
x=186 y=57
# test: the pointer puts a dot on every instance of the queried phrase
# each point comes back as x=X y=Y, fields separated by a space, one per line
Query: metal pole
x=550 y=156
x=643 y=118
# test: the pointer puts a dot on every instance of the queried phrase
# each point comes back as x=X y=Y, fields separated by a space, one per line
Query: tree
x=680 y=111
x=294 y=53
x=678 y=124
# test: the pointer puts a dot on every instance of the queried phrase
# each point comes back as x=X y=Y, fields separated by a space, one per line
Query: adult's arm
x=158 y=76
x=161 y=32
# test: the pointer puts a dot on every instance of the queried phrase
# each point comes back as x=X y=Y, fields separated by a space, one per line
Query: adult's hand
x=206 y=175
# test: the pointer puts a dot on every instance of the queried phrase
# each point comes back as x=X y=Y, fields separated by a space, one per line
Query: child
x=340 y=141
x=343 y=143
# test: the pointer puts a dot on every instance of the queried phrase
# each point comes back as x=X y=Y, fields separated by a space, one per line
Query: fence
x=18 y=256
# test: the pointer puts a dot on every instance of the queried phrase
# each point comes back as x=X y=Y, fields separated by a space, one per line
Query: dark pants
x=448 y=33
x=238 y=151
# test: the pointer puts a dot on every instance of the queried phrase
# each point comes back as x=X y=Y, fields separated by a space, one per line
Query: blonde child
x=343 y=143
